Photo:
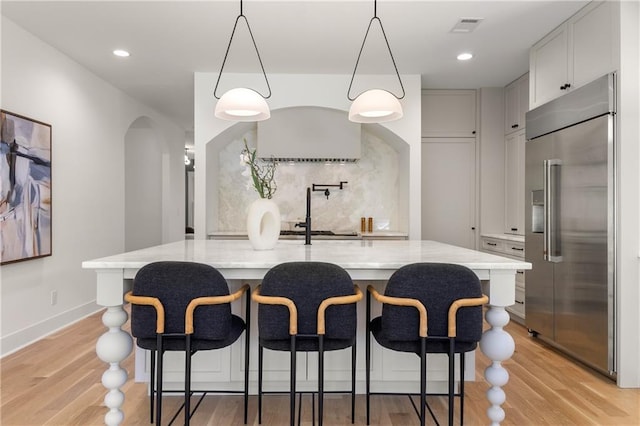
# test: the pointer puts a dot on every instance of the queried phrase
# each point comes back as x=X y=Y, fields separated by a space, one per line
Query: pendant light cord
x=375 y=18
x=241 y=15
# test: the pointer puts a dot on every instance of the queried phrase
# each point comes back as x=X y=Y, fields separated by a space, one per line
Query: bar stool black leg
x=320 y=379
x=461 y=389
x=247 y=336
x=353 y=383
x=451 y=379
x=368 y=354
x=423 y=379
x=187 y=381
x=260 y=356
x=152 y=385
x=293 y=381
x=159 y=381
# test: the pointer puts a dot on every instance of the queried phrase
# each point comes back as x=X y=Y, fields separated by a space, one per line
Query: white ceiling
x=170 y=40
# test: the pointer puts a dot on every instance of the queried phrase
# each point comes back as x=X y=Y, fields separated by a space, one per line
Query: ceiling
x=170 y=40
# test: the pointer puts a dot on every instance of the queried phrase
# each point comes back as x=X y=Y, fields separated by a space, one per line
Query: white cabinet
x=448 y=113
x=580 y=50
x=509 y=246
x=449 y=190
x=449 y=166
x=548 y=64
x=516 y=104
x=514 y=182
x=593 y=45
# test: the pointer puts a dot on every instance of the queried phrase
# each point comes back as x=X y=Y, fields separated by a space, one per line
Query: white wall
x=628 y=234
x=89 y=121
x=301 y=90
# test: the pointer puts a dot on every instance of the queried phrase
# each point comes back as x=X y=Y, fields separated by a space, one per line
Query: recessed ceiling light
x=121 y=53
x=465 y=56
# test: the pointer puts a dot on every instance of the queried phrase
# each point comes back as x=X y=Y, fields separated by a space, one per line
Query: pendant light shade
x=242 y=104
x=375 y=106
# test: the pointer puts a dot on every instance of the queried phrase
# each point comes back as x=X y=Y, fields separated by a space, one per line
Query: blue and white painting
x=25 y=188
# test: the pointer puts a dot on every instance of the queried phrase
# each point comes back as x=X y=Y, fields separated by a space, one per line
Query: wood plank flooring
x=56 y=381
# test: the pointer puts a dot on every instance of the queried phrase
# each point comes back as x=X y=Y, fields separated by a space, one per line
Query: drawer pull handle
x=492 y=244
x=519 y=302
x=514 y=229
x=519 y=272
x=517 y=248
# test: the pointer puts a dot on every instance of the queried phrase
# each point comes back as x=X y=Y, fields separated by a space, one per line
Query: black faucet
x=307 y=221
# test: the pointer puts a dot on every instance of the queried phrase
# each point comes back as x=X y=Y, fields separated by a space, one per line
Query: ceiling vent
x=466 y=25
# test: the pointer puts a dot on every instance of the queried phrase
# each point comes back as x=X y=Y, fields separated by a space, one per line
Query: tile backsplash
x=371 y=191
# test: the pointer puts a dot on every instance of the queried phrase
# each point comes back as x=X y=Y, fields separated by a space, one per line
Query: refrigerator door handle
x=551 y=243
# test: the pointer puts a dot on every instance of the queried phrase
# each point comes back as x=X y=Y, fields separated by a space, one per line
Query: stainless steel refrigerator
x=570 y=223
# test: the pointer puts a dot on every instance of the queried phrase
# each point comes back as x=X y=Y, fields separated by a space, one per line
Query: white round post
x=113 y=347
x=498 y=346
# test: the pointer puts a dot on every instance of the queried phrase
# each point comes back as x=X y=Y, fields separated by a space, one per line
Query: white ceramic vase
x=263 y=224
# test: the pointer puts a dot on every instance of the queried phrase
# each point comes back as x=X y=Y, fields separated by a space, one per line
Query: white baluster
x=113 y=347
x=498 y=346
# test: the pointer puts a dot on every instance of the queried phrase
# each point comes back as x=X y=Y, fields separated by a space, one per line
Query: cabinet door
x=594 y=51
x=511 y=103
x=516 y=104
x=514 y=183
x=548 y=67
x=523 y=100
x=449 y=190
x=448 y=113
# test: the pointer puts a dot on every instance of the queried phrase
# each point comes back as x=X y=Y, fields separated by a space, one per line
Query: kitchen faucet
x=307 y=222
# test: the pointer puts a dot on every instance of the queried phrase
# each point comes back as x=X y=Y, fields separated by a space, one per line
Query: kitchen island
x=365 y=260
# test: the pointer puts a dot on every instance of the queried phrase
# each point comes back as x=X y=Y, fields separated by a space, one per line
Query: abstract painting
x=25 y=188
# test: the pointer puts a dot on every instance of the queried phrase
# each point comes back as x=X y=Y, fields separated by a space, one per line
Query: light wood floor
x=56 y=381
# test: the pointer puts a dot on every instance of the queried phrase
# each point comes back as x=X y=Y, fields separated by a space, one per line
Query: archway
x=378 y=183
x=145 y=157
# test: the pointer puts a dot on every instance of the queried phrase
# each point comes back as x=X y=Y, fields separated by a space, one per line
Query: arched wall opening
x=146 y=169
x=378 y=184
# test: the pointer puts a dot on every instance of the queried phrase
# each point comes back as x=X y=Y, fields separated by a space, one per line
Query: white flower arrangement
x=262 y=175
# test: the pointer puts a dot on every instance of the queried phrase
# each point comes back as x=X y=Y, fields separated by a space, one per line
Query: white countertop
x=375 y=234
x=506 y=237
x=350 y=254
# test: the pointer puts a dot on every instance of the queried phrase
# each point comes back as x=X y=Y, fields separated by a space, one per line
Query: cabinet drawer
x=513 y=248
x=489 y=244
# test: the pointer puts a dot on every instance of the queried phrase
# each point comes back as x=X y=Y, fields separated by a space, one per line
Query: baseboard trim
x=25 y=337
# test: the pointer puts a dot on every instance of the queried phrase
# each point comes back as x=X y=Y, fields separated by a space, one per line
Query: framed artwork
x=25 y=188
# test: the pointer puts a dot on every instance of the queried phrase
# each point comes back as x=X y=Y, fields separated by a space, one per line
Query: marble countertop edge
x=350 y=254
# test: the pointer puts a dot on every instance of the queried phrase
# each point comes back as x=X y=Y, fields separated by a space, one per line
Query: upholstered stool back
x=307 y=284
x=437 y=286
x=176 y=284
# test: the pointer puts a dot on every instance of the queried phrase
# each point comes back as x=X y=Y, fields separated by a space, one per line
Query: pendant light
x=242 y=104
x=375 y=105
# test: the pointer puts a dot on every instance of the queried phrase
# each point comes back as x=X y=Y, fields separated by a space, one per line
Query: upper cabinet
x=580 y=50
x=448 y=113
x=516 y=97
x=514 y=198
